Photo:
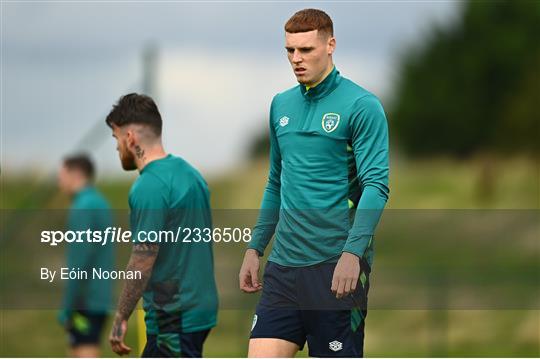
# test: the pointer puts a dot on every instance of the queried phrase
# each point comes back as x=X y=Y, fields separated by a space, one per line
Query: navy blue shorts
x=175 y=345
x=85 y=327
x=297 y=305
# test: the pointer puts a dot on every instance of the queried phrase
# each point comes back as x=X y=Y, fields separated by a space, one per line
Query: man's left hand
x=118 y=335
x=346 y=275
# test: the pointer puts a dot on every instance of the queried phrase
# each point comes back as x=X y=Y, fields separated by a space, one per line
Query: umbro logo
x=335 y=346
x=284 y=121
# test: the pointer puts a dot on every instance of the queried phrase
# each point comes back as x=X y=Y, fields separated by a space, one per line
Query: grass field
x=488 y=278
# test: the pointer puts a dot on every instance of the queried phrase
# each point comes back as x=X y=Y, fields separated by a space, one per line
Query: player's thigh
x=85 y=351
x=281 y=324
x=271 y=348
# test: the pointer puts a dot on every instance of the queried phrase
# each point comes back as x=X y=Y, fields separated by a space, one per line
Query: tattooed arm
x=143 y=256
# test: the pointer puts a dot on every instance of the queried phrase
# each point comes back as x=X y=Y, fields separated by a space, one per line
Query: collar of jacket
x=83 y=191
x=324 y=88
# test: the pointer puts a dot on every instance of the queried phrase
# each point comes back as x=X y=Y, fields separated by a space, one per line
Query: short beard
x=304 y=81
x=128 y=162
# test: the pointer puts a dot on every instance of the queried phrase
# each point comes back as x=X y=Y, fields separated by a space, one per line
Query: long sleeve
x=369 y=131
x=271 y=203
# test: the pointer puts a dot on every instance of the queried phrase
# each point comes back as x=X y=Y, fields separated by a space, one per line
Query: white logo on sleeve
x=335 y=346
x=254 y=322
x=284 y=121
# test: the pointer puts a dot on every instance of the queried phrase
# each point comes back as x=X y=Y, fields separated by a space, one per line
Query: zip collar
x=324 y=88
x=83 y=192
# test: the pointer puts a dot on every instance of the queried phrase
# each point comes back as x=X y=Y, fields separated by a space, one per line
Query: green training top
x=181 y=293
x=89 y=210
x=328 y=179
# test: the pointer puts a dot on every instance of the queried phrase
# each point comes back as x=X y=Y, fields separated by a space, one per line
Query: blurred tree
x=474 y=87
x=260 y=144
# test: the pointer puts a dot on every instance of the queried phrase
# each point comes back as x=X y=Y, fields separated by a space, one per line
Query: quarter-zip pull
x=312 y=104
x=305 y=114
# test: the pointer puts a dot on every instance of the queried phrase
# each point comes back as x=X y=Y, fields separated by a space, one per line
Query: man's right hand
x=249 y=273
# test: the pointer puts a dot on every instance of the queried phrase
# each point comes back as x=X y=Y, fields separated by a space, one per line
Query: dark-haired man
x=177 y=285
x=327 y=187
x=86 y=302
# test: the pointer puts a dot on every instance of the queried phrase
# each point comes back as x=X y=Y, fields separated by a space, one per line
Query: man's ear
x=130 y=138
x=331 y=45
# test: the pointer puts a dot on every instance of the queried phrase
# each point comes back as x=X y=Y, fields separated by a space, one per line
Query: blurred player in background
x=86 y=302
x=327 y=186
x=177 y=285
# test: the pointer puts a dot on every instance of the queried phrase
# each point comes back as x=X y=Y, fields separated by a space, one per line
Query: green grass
x=435 y=183
x=478 y=255
x=389 y=333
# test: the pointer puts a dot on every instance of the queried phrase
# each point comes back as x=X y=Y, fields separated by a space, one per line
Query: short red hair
x=309 y=20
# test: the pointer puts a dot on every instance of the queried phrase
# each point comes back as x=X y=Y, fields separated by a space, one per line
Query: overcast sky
x=219 y=63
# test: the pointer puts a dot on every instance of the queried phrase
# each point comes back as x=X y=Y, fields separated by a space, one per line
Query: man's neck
x=147 y=155
x=321 y=79
x=77 y=188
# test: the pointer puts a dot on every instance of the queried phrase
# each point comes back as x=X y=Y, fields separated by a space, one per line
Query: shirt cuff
x=358 y=245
